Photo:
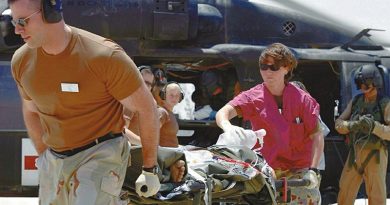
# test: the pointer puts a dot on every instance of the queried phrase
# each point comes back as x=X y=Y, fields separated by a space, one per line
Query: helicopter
x=186 y=39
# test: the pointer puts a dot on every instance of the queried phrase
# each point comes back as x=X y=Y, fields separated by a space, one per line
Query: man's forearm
x=382 y=131
x=34 y=130
x=341 y=126
x=149 y=133
x=341 y=123
x=141 y=102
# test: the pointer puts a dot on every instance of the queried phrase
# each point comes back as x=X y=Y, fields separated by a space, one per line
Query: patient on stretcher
x=221 y=171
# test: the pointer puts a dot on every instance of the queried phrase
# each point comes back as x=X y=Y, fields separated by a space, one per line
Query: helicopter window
x=289 y=28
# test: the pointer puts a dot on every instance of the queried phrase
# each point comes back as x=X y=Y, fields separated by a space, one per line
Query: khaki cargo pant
x=300 y=195
x=374 y=177
x=93 y=176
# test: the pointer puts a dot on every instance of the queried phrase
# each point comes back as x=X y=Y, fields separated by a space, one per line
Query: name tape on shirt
x=70 y=87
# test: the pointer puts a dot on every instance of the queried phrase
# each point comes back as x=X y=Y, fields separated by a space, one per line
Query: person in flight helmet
x=368 y=74
x=366 y=122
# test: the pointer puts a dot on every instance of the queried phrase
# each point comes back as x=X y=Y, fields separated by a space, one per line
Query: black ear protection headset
x=52 y=11
x=163 y=91
x=143 y=67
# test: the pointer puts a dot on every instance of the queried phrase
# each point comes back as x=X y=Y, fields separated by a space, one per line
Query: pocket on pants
x=112 y=184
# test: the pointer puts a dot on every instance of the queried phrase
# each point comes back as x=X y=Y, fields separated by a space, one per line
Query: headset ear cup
x=52 y=11
x=181 y=96
x=163 y=91
x=358 y=77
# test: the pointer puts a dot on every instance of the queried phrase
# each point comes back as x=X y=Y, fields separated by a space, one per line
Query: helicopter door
x=171 y=20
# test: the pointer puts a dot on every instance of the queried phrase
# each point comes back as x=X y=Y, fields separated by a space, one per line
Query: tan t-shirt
x=77 y=91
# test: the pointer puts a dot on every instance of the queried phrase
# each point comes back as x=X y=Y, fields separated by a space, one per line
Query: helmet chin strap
x=370 y=94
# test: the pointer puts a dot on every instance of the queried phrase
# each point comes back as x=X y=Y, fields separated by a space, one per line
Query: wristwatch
x=153 y=169
x=317 y=171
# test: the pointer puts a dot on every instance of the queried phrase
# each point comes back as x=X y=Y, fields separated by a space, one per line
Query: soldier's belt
x=71 y=152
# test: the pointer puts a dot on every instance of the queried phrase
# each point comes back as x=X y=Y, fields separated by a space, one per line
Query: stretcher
x=234 y=175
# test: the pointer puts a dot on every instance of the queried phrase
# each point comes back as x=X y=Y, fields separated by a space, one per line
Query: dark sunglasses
x=149 y=84
x=23 y=22
x=272 y=67
x=367 y=82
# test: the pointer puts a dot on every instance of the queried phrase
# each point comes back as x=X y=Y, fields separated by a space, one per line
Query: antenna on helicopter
x=364 y=32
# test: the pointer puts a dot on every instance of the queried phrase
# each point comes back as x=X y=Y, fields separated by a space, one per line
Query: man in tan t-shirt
x=73 y=86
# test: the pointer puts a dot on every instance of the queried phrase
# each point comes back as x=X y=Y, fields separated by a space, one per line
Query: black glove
x=367 y=124
x=354 y=126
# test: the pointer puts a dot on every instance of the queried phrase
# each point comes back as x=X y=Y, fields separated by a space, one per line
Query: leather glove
x=147 y=184
x=354 y=126
x=367 y=124
x=312 y=177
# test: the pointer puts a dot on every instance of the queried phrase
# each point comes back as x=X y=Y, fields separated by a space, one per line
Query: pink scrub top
x=287 y=144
